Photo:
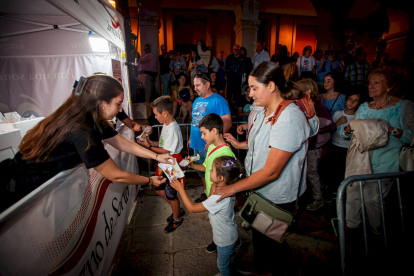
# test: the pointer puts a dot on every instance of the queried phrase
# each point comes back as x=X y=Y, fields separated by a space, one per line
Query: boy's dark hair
x=210 y=121
x=228 y=167
x=351 y=93
x=163 y=103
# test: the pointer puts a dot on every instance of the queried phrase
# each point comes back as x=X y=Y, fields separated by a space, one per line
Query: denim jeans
x=223 y=259
x=203 y=155
x=165 y=84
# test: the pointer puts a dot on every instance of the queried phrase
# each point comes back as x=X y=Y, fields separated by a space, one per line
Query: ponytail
x=269 y=71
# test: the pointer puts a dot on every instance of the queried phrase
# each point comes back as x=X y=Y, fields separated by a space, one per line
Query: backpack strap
x=279 y=110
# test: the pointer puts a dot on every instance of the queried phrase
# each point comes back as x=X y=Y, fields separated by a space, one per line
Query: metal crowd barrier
x=187 y=135
x=340 y=207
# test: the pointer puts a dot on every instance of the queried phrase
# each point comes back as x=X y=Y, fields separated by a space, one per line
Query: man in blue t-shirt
x=207 y=102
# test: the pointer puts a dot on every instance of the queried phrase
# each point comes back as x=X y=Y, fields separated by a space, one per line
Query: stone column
x=246 y=35
x=149 y=34
x=247 y=24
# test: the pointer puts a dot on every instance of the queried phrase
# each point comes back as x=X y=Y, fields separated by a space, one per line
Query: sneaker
x=171 y=218
x=201 y=198
x=173 y=225
x=315 y=205
x=211 y=248
x=248 y=270
x=236 y=249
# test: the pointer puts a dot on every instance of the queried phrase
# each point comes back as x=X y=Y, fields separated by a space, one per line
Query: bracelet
x=140 y=127
x=150 y=181
x=156 y=156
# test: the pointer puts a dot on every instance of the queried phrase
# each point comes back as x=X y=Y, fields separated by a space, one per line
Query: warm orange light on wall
x=112 y=2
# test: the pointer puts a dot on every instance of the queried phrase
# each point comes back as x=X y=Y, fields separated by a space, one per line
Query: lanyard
x=216 y=148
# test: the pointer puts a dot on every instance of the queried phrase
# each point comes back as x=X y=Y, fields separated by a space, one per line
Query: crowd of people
x=349 y=97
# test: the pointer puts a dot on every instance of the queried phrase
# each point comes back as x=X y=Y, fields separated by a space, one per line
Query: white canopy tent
x=45 y=46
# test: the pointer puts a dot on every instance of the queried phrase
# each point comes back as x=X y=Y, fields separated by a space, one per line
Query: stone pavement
x=144 y=249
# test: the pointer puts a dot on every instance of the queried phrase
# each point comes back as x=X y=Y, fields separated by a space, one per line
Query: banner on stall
x=71 y=225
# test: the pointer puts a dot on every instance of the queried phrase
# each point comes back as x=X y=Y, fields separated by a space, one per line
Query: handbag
x=265 y=216
x=407 y=157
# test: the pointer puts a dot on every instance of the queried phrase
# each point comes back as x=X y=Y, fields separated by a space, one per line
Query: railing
x=341 y=210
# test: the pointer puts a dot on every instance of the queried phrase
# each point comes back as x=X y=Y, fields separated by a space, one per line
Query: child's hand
x=342 y=120
x=144 y=143
x=240 y=130
x=177 y=184
x=158 y=180
x=145 y=126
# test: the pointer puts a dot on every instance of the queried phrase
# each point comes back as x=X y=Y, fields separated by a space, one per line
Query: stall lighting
x=112 y=2
x=99 y=44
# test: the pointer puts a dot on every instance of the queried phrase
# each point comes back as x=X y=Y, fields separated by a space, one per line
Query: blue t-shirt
x=201 y=107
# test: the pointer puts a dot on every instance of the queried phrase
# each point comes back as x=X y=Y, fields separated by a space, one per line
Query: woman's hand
x=347 y=130
x=163 y=158
x=224 y=191
x=236 y=144
x=177 y=185
x=158 y=180
x=240 y=129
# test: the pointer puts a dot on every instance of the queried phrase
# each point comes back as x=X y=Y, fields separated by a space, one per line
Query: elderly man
x=147 y=72
x=207 y=102
x=235 y=68
x=260 y=56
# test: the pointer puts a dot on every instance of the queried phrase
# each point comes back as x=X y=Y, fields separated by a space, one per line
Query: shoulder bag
x=407 y=157
x=265 y=216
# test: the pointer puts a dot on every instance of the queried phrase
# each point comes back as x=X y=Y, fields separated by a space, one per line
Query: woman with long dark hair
x=73 y=135
x=275 y=159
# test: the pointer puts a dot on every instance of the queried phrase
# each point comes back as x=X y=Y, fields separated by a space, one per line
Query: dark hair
x=286 y=60
x=203 y=45
x=269 y=71
x=163 y=103
x=304 y=49
x=204 y=78
x=351 y=93
x=244 y=49
x=39 y=142
x=197 y=56
x=228 y=167
x=335 y=76
x=317 y=52
x=179 y=75
x=210 y=121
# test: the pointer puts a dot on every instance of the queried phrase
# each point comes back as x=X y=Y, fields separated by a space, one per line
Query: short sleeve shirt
x=290 y=133
x=83 y=145
x=171 y=138
x=221 y=216
x=201 y=107
x=208 y=162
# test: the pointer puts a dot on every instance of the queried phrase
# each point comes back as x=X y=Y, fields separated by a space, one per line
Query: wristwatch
x=394 y=131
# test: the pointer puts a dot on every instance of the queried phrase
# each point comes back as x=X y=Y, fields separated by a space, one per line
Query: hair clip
x=229 y=163
x=80 y=85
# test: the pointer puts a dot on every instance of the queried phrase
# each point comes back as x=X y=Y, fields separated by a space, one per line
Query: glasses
x=202 y=77
x=235 y=49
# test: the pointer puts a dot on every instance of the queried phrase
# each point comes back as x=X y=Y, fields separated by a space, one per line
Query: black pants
x=269 y=254
x=333 y=170
x=233 y=86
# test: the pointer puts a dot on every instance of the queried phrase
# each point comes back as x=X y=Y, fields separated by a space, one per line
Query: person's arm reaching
x=192 y=208
x=275 y=163
x=111 y=171
x=123 y=144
